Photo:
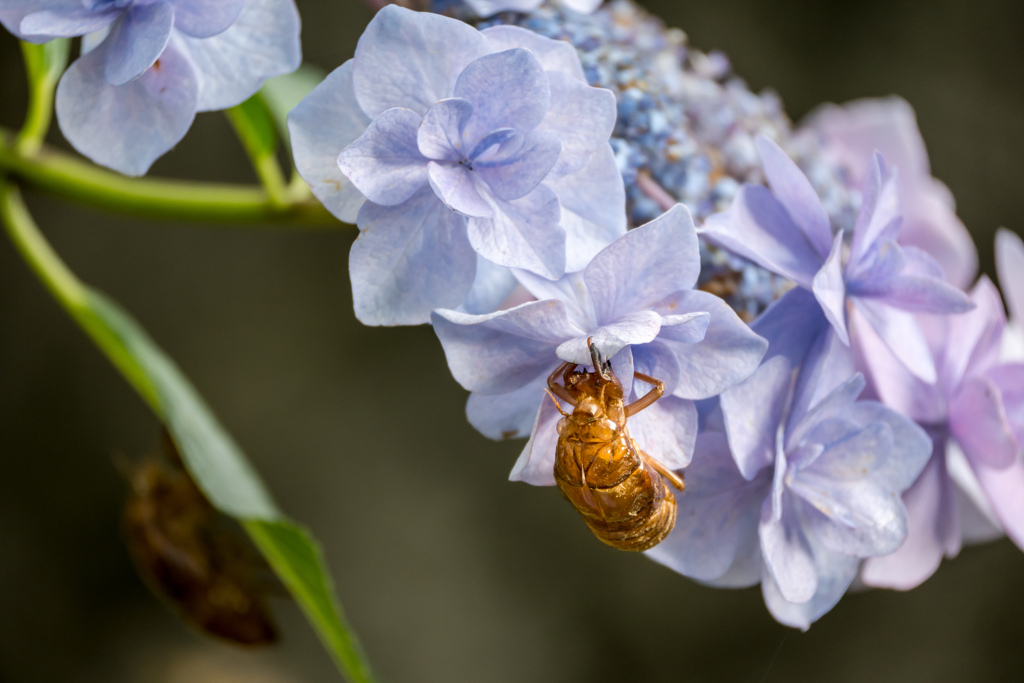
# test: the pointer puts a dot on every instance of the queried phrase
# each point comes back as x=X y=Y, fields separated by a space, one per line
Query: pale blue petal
x=758 y=228
x=203 y=19
x=791 y=324
x=536 y=463
x=835 y=573
x=728 y=354
x=385 y=163
x=440 y=135
x=581 y=117
x=412 y=59
x=794 y=191
x=593 y=203
x=833 y=404
x=830 y=291
x=66 y=23
x=978 y=421
x=408 y=260
x=658 y=361
x=921 y=263
x=503 y=351
x=933 y=531
x=137 y=39
x=1010 y=266
x=1003 y=489
x=570 y=290
x=901 y=333
x=323 y=124
x=921 y=295
x=912 y=446
x=717 y=514
x=126 y=127
x=974 y=339
x=855 y=514
x=893 y=382
x=689 y=328
x=753 y=412
x=514 y=175
x=645 y=265
x=13 y=12
x=492 y=286
x=262 y=43
x=787 y=552
x=635 y=328
x=507 y=416
x=1009 y=378
x=583 y=6
x=524 y=233
x=456 y=186
x=486 y=8
x=881 y=212
x=508 y=90
x=553 y=55
x=666 y=430
x=828 y=364
x=881 y=263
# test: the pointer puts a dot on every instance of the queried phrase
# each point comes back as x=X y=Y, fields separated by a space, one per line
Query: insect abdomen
x=624 y=502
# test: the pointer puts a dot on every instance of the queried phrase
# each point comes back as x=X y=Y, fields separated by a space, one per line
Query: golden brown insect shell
x=203 y=571
x=603 y=473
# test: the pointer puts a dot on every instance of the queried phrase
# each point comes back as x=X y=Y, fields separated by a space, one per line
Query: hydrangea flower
x=870 y=282
x=149 y=65
x=487 y=8
x=975 y=414
x=444 y=143
x=850 y=133
x=1010 y=267
x=792 y=498
x=635 y=300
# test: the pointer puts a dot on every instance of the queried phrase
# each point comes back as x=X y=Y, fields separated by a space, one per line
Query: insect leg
x=675 y=479
x=559 y=390
x=558 y=406
x=647 y=399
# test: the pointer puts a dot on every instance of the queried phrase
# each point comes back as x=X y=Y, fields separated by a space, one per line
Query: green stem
x=44 y=65
x=67 y=289
x=66 y=176
x=262 y=153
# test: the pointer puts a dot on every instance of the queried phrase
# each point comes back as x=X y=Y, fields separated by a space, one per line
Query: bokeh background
x=448 y=571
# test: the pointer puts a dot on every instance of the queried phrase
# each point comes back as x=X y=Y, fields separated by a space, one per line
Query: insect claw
x=595 y=355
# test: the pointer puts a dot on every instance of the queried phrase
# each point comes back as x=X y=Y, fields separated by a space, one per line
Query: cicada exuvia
x=622 y=493
x=185 y=554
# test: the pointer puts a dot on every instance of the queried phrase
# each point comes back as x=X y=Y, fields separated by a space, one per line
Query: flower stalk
x=65 y=176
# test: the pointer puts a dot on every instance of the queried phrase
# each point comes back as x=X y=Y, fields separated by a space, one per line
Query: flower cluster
x=148 y=66
x=866 y=422
x=526 y=176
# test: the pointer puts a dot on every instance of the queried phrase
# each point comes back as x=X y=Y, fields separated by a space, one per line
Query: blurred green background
x=448 y=571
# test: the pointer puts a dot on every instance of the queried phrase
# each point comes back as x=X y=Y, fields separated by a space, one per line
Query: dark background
x=449 y=572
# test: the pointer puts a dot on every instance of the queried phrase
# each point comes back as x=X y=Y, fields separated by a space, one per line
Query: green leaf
x=283 y=93
x=298 y=561
x=210 y=454
x=226 y=477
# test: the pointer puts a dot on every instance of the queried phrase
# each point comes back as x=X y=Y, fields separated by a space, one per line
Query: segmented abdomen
x=623 y=500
